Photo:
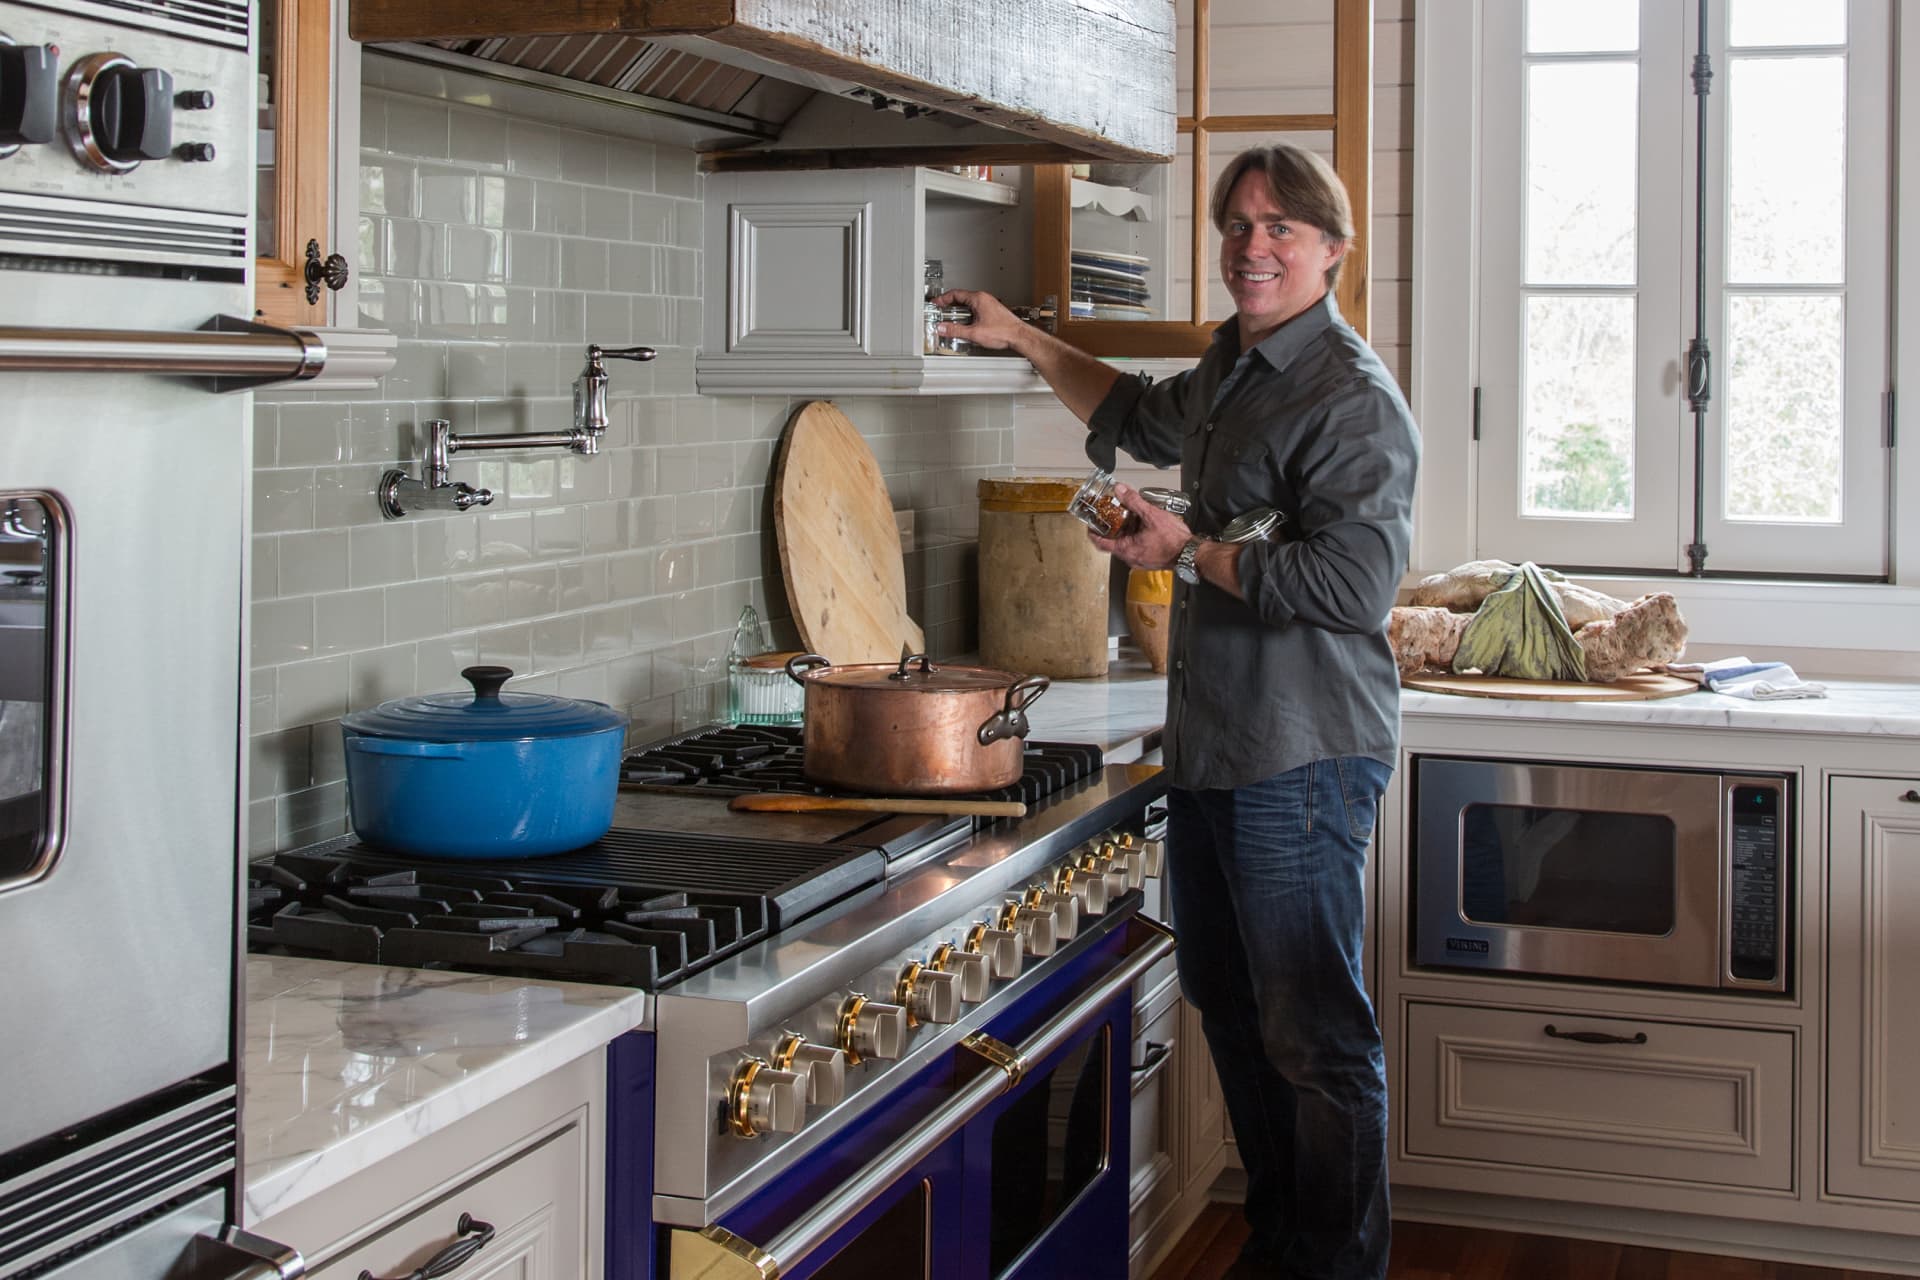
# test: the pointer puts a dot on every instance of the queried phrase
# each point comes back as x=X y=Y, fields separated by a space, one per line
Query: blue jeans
x=1268 y=900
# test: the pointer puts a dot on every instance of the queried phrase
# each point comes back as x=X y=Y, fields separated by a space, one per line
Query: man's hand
x=1153 y=538
x=993 y=327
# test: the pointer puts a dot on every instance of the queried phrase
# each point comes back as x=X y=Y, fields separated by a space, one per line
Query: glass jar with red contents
x=1098 y=507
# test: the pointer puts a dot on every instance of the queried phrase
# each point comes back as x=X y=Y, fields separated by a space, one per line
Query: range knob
x=29 y=95
x=1089 y=890
x=927 y=994
x=1065 y=908
x=1001 y=947
x=118 y=114
x=764 y=1099
x=870 y=1029
x=974 y=970
x=1154 y=856
x=1133 y=856
x=1033 y=924
x=824 y=1067
x=1105 y=865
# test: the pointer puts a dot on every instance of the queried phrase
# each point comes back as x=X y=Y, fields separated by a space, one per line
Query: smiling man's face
x=1274 y=267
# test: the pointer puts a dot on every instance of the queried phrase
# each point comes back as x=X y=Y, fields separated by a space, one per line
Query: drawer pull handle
x=1596 y=1037
x=449 y=1259
x=1911 y=796
x=1156 y=1054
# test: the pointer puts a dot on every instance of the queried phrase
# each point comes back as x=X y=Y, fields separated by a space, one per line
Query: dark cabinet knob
x=131 y=110
x=29 y=94
x=194 y=99
x=331 y=271
x=194 y=151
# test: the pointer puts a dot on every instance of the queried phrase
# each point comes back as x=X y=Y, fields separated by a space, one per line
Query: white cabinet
x=1873 y=1037
x=815 y=280
x=1577 y=1093
x=1154 y=1157
x=529 y=1166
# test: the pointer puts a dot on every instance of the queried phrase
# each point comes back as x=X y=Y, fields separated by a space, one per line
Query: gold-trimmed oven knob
x=761 y=1098
x=1089 y=889
x=1001 y=947
x=1133 y=857
x=870 y=1029
x=973 y=969
x=1033 y=924
x=823 y=1066
x=1065 y=908
x=927 y=994
x=1108 y=867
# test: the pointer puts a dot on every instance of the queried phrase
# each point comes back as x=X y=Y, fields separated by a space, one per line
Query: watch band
x=1186 y=566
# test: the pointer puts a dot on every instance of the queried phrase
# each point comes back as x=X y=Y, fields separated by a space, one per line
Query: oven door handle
x=715 y=1253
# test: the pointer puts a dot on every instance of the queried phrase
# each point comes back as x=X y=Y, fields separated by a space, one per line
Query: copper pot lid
x=913 y=674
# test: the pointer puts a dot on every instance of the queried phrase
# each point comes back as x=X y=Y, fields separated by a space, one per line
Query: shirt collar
x=1280 y=347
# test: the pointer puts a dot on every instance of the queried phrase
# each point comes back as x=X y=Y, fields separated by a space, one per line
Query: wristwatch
x=1186 y=565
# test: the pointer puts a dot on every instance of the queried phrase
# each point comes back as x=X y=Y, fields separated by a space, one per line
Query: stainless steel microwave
x=1653 y=876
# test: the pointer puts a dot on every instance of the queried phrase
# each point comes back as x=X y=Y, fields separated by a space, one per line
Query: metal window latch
x=400 y=493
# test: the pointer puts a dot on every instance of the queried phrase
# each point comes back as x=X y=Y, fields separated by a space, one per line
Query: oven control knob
x=118 y=114
x=1001 y=947
x=927 y=994
x=973 y=969
x=1089 y=890
x=29 y=94
x=869 y=1029
x=1034 y=926
x=1107 y=866
x=1155 y=852
x=1065 y=908
x=1132 y=856
x=824 y=1067
x=764 y=1099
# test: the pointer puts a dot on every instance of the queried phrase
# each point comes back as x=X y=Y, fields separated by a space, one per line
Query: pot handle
x=801 y=663
x=486 y=681
x=1011 y=720
x=908 y=659
x=406 y=747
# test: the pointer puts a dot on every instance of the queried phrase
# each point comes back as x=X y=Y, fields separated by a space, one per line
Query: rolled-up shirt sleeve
x=1141 y=416
x=1350 y=539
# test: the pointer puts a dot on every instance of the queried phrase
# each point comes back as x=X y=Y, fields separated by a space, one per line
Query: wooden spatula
x=788 y=802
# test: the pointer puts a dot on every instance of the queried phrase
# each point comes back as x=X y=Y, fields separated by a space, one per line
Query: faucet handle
x=596 y=352
x=590 y=388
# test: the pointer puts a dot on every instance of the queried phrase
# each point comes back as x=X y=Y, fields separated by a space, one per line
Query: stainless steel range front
x=126 y=179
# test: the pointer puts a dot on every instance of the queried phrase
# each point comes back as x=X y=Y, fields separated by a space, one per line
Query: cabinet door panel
x=536 y=1203
x=1873 y=940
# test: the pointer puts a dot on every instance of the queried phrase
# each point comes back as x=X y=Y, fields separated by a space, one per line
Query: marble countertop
x=1876 y=708
x=1122 y=712
x=347 y=1064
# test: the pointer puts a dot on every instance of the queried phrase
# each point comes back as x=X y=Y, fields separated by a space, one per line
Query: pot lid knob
x=487 y=682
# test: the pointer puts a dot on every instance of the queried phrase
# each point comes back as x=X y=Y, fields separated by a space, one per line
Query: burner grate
x=739 y=760
x=637 y=908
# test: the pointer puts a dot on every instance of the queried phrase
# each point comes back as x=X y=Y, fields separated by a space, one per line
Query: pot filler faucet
x=400 y=493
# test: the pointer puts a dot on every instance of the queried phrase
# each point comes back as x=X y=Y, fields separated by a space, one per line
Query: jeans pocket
x=1362 y=783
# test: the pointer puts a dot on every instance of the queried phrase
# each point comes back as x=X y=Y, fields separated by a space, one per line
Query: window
x=1613 y=230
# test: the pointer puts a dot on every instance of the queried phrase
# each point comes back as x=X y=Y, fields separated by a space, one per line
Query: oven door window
x=1557 y=868
x=32 y=649
x=1048 y=1145
x=898 y=1243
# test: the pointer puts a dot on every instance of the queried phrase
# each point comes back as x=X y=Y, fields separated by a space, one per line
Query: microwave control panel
x=1754 y=941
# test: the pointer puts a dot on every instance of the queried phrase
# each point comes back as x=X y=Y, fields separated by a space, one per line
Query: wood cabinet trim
x=303 y=103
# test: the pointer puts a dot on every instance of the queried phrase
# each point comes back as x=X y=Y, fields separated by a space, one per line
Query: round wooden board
x=839 y=545
x=1641 y=686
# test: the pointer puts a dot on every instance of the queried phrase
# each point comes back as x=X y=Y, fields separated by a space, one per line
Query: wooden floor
x=1425 y=1252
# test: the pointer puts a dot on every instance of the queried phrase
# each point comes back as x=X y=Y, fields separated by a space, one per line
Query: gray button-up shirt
x=1309 y=421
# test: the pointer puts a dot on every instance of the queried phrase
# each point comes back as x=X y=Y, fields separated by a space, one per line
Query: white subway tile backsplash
x=495 y=248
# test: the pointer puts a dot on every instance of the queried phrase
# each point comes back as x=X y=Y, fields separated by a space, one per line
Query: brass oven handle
x=1596 y=1037
x=715 y=1253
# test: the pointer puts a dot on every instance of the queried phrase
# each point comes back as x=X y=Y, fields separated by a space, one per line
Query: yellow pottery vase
x=1149 y=599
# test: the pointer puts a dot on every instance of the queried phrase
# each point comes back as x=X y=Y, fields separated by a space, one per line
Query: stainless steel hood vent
x=795 y=84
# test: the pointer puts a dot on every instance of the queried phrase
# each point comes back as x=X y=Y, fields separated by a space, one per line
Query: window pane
x=1267 y=59
x=1776 y=22
x=1577 y=440
x=1784 y=401
x=1588 y=26
x=1582 y=126
x=1786 y=170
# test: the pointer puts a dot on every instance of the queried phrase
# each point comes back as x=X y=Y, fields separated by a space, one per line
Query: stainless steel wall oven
x=1655 y=876
x=126 y=190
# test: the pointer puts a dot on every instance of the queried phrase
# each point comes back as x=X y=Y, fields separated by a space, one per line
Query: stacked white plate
x=1109 y=285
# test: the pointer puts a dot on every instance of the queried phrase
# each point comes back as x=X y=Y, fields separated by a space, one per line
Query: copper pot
x=913 y=729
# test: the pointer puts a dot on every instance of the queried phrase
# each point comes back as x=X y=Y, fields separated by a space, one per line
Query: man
x=1283 y=709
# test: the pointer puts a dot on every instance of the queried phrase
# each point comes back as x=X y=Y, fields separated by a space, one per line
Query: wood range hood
x=827 y=84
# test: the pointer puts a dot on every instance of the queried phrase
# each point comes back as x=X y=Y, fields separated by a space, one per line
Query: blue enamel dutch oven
x=483 y=774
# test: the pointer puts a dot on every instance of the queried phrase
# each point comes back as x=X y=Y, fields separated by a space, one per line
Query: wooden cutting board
x=839 y=545
x=1641 y=686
